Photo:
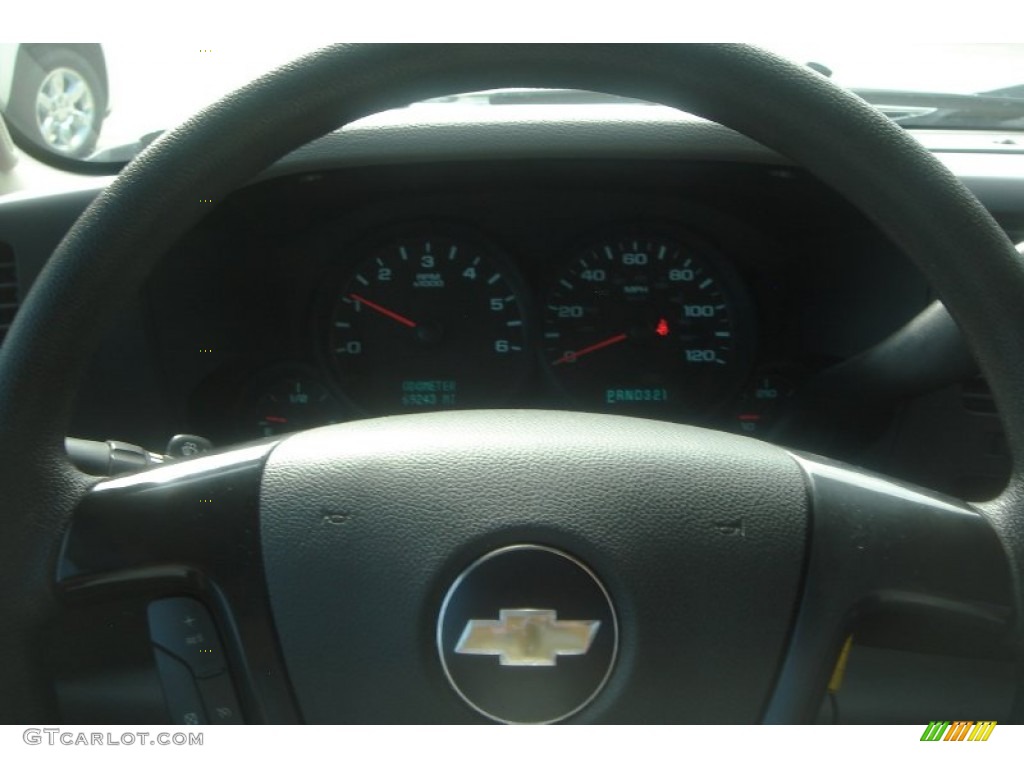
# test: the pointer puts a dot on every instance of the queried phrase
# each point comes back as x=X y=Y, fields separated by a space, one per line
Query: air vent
x=8 y=289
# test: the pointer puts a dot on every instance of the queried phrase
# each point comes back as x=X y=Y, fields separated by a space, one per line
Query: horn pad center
x=527 y=634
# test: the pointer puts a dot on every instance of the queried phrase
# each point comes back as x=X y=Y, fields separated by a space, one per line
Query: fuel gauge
x=290 y=403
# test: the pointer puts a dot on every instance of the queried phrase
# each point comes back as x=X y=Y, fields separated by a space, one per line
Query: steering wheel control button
x=218 y=696
x=527 y=634
x=184 y=705
x=183 y=628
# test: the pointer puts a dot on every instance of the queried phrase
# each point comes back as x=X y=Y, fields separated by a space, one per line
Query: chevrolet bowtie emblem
x=527 y=637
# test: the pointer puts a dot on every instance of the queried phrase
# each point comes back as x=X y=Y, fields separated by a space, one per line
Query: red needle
x=569 y=357
x=275 y=419
x=386 y=312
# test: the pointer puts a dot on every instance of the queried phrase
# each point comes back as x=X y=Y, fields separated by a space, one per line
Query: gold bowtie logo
x=527 y=637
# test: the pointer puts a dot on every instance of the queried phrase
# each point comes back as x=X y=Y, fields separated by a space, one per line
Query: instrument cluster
x=642 y=319
x=695 y=293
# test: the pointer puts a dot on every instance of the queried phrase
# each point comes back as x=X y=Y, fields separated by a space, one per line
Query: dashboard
x=630 y=260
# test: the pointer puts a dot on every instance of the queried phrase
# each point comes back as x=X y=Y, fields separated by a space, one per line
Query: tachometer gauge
x=428 y=322
x=647 y=325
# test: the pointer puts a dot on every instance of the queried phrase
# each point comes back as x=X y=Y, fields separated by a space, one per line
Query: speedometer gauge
x=428 y=322
x=647 y=325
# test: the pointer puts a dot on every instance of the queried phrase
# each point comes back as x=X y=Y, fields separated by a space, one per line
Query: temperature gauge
x=760 y=401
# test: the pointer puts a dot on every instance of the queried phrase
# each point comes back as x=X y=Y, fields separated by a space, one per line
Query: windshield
x=107 y=101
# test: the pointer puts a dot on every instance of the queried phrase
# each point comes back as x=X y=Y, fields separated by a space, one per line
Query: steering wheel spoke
x=880 y=548
x=185 y=533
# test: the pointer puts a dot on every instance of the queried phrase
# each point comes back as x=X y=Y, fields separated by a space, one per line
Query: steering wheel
x=512 y=565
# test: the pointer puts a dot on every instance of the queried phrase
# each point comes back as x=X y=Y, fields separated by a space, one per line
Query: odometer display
x=427 y=323
x=646 y=325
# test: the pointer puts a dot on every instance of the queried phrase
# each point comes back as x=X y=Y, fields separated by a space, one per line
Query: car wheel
x=59 y=102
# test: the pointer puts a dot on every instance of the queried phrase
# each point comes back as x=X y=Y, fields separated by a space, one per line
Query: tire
x=59 y=102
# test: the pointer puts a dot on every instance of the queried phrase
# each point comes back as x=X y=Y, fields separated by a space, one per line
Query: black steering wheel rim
x=157 y=198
